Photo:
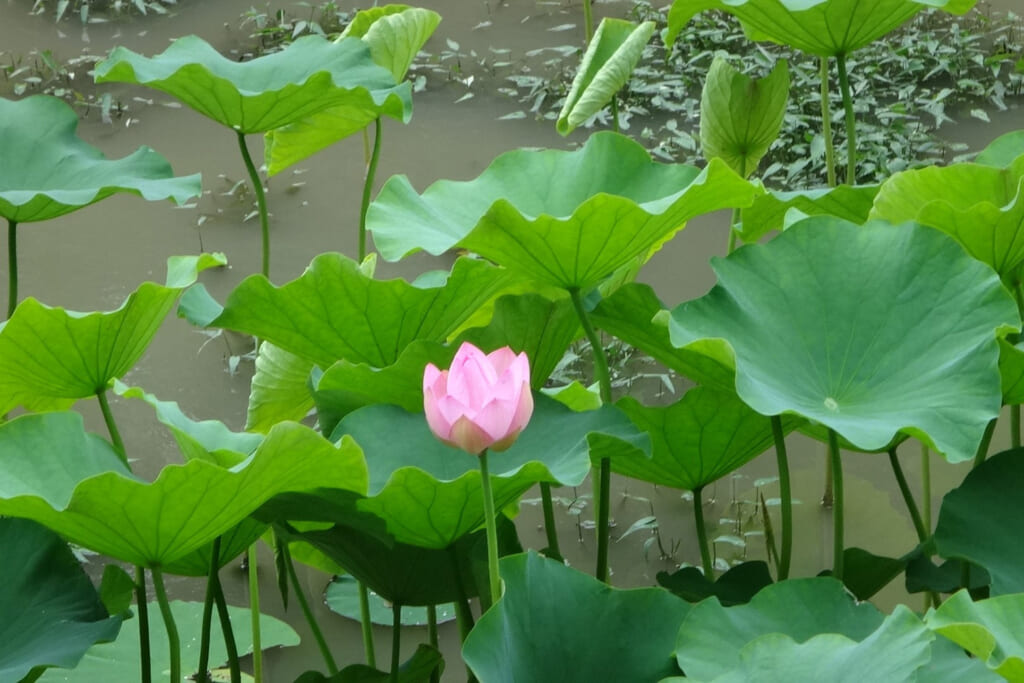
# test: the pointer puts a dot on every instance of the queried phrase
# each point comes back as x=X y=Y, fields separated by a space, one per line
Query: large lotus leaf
x=280 y=389
x=309 y=75
x=209 y=440
x=342 y=597
x=1002 y=151
x=627 y=314
x=334 y=311
x=697 y=440
x=527 y=323
x=740 y=117
x=118 y=662
x=93 y=500
x=50 y=357
x=52 y=613
x=895 y=653
x=992 y=630
x=768 y=212
x=233 y=543
x=429 y=493
x=49 y=171
x=567 y=218
x=1011 y=370
x=395 y=33
x=821 y=27
x=978 y=517
x=711 y=639
x=870 y=330
x=980 y=206
x=554 y=623
x=736 y=586
x=608 y=63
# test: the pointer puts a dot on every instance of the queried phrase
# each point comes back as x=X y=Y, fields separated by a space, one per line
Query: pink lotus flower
x=482 y=402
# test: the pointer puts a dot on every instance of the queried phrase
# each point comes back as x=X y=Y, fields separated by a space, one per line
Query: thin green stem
x=203 y=670
x=325 y=651
x=435 y=675
x=548 y=506
x=908 y=497
x=254 y=614
x=371 y=174
x=12 y=266
x=588 y=21
x=733 y=224
x=986 y=439
x=396 y=640
x=615 y=113
x=702 y=534
x=226 y=630
x=492 y=530
x=463 y=613
x=261 y=202
x=827 y=498
x=826 y=123
x=604 y=474
x=926 y=487
x=1015 y=425
x=173 y=641
x=786 y=497
x=142 y=606
x=851 y=124
x=366 y=624
x=108 y=417
x=837 y=506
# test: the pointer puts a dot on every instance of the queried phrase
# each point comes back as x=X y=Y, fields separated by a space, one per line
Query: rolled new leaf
x=607 y=65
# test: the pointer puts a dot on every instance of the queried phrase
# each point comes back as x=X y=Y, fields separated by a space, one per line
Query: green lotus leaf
x=565 y=218
x=611 y=56
x=429 y=493
x=49 y=171
x=309 y=75
x=820 y=27
x=52 y=613
x=118 y=662
x=828 y=321
x=737 y=586
x=895 y=653
x=528 y=323
x=395 y=33
x=342 y=597
x=608 y=635
x=209 y=440
x=711 y=639
x=1002 y=151
x=417 y=669
x=628 y=313
x=740 y=117
x=697 y=440
x=991 y=630
x=976 y=515
x=980 y=206
x=233 y=543
x=768 y=212
x=1011 y=371
x=280 y=389
x=50 y=357
x=94 y=501
x=334 y=311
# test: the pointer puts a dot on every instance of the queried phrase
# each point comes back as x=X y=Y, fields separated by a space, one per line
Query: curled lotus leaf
x=309 y=75
x=49 y=171
x=869 y=330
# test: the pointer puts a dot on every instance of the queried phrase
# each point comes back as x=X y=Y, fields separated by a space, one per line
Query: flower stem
x=588 y=21
x=786 y=497
x=986 y=439
x=492 y=530
x=173 y=640
x=549 y=520
x=254 y=614
x=396 y=640
x=826 y=124
x=733 y=223
x=203 y=670
x=332 y=667
x=226 y=630
x=261 y=202
x=604 y=474
x=371 y=173
x=142 y=606
x=851 y=124
x=366 y=624
x=702 y=534
x=435 y=675
x=12 y=266
x=908 y=497
x=837 y=506
x=108 y=417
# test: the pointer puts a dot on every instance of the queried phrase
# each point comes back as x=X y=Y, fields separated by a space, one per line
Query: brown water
x=93 y=258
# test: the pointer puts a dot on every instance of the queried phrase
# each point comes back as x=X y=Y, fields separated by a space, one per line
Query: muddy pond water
x=93 y=258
